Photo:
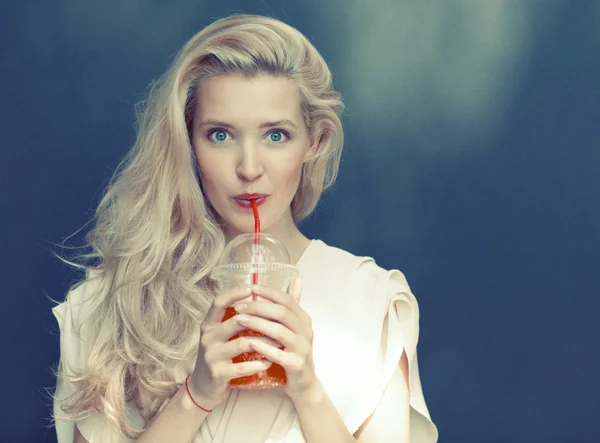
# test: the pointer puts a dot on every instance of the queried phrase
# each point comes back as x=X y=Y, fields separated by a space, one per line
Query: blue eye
x=277 y=135
x=219 y=135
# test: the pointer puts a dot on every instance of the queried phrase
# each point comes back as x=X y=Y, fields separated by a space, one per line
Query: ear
x=296 y=289
x=312 y=150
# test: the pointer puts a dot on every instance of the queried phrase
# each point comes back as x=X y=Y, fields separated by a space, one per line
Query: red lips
x=245 y=200
x=249 y=196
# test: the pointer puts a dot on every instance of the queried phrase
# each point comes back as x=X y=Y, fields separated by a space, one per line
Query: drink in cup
x=249 y=259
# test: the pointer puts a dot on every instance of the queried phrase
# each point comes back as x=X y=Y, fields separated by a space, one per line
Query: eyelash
x=212 y=131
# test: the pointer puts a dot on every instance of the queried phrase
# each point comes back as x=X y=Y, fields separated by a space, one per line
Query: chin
x=237 y=226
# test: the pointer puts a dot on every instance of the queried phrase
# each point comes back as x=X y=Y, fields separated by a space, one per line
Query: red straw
x=256 y=239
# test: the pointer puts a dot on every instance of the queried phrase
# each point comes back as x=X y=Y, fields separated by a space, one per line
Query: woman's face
x=249 y=137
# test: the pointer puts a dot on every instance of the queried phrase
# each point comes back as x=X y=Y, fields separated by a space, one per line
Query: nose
x=249 y=167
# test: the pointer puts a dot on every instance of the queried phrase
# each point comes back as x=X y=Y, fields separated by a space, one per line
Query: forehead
x=261 y=98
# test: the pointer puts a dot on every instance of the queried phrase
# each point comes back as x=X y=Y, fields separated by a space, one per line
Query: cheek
x=290 y=176
x=209 y=171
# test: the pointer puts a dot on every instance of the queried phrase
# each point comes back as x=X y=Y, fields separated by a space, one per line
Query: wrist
x=309 y=398
x=187 y=408
x=193 y=400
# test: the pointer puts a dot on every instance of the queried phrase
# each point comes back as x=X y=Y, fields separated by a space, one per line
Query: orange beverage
x=272 y=377
x=247 y=259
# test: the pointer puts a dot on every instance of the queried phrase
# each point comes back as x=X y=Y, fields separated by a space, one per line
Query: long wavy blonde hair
x=155 y=237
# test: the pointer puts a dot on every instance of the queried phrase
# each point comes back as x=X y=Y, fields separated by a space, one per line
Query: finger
x=275 y=312
x=287 y=359
x=239 y=346
x=224 y=331
x=244 y=369
x=272 y=294
x=228 y=330
x=281 y=298
x=222 y=301
x=296 y=289
x=271 y=329
x=224 y=352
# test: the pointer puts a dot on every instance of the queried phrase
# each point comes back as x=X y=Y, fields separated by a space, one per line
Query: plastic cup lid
x=243 y=254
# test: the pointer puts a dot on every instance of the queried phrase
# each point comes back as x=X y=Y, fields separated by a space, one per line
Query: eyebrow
x=264 y=125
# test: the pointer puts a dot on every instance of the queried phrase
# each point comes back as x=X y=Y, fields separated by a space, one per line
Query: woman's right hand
x=209 y=382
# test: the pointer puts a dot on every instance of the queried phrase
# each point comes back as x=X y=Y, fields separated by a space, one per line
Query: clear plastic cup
x=246 y=258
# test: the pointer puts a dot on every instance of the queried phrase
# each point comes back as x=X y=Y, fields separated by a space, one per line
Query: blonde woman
x=247 y=107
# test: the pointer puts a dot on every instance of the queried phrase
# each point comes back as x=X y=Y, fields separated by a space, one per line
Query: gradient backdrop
x=472 y=164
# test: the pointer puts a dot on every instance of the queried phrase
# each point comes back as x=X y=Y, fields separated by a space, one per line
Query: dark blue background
x=471 y=163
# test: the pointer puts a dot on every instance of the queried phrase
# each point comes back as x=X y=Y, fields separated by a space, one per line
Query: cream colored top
x=363 y=317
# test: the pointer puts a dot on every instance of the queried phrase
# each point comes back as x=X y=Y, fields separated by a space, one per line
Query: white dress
x=363 y=317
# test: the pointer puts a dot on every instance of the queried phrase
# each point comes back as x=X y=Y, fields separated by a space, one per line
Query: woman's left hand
x=286 y=322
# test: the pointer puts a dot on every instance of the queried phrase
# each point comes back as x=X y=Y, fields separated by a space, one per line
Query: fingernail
x=242 y=318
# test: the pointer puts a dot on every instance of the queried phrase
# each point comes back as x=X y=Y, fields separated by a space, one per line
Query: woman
x=246 y=108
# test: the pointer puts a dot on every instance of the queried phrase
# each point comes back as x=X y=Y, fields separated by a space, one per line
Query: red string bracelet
x=187 y=388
